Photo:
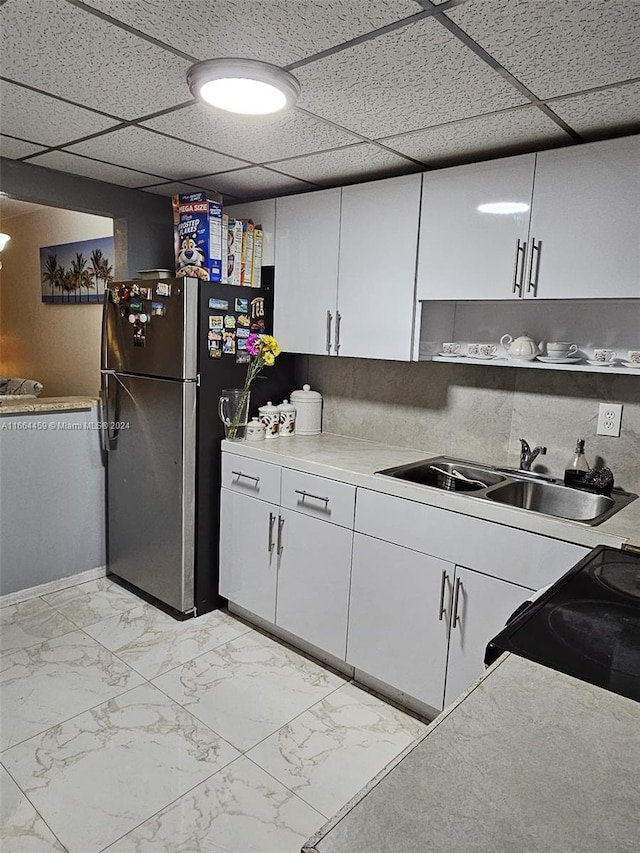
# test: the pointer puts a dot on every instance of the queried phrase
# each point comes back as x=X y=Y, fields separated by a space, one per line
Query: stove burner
x=620 y=577
x=605 y=633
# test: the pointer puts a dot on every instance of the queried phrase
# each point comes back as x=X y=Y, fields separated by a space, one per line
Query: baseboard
x=52 y=586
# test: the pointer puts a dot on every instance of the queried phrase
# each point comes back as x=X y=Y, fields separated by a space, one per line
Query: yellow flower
x=270 y=344
x=269 y=359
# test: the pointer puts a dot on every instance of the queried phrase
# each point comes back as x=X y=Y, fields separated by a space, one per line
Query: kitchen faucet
x=527 y=455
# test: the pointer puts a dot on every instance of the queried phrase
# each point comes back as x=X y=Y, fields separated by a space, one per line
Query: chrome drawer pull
x=442 y=608
x=309 y=495
x=256 y=480
x=280 y=547
x=533 y=276
x=329 y=320
x=456 y=617
x=520 y=255
x=337 y=343
x=272 y=518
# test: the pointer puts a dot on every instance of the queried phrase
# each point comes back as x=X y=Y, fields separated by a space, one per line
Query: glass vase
x=233 y=408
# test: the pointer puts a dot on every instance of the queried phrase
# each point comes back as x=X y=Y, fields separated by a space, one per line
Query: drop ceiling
x=98 y=88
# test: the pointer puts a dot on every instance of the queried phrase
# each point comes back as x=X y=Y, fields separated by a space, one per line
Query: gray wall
x=52 y=498
x=143 y=225
x=480 y=412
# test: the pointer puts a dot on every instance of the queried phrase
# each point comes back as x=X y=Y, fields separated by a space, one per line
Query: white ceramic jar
x=255 y=430
x=308 y=405
x=270 y=417
x=287 y=418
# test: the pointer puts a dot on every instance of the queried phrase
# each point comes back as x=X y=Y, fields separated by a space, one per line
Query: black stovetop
x=586 y=625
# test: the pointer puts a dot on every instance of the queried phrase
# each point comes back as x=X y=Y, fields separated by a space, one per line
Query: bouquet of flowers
x=263 y=350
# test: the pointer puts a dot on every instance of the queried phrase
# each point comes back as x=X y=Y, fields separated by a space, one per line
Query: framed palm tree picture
x=76 y=272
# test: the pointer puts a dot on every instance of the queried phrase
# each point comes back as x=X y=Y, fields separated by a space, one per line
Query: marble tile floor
x=123 y=730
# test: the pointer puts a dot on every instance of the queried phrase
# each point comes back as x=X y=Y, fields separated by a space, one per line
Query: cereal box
x=258 y=238
x=246 y=265
x=234 y=248
x=197 y=231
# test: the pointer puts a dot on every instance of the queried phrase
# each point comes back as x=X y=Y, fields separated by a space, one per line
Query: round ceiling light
x=245 y=86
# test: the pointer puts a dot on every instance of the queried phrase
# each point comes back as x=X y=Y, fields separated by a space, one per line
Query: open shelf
x=535 y=365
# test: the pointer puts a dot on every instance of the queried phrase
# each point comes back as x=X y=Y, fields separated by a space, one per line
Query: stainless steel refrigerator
x=169 y=347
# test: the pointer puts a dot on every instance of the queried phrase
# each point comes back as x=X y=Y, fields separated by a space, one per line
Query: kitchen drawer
x=523 y=558
x=318 y=497
x=251 y=477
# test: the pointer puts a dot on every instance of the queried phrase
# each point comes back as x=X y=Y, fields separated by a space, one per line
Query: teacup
x=561 y=349
x=482 y=350
x=604 y=355
x=634 y=356
x=450 y=348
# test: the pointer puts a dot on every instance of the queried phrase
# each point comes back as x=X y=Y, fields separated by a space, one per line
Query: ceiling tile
x=69 y=52
x=415 y=77
x=15 y=148
x=44 y=120
x=365 y=161
x=595 y=112
x=142 y=149
x=556 y=48
x=254 y=138
x=496 y=135
x=172 y=188
x=254 y=182
x=280 y=31
x=76 y=165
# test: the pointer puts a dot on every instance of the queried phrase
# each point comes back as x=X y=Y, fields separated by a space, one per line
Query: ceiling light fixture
x=503 y=207
x=245 y=86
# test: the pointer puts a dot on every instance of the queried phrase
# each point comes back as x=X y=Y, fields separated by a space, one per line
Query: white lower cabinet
x=397 y=624
x=480 y=606
x=313 y=581
x=248 y=552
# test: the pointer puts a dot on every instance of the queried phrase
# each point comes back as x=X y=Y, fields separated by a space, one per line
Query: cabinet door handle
x=441 y=607
x=310 y=495
x=272 y=518
x=532 y=286
x=280 y=546
x=454 y=609
x=518 y=267
x=329 y=321
x=338 y=319
x=239 y=474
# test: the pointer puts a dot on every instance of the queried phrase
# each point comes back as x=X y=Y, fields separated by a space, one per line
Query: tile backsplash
x=479 y=412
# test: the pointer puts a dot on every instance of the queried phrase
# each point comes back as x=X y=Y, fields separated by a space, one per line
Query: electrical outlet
x=609 y=419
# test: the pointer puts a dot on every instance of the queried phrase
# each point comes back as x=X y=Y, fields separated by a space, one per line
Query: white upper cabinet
x=376 y=276
x=261 y=213
x=467 y=251
x=579 y=239
x=306 y=283
x=586 y=220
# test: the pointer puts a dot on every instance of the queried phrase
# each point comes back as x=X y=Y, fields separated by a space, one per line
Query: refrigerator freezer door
x=170 y=338
x=151 y=485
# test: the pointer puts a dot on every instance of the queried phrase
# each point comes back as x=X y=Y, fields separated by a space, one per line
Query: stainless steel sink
x=512 y=487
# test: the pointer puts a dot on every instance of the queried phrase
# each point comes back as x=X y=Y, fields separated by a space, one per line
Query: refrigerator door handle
x=103 y=410
x=103 y=337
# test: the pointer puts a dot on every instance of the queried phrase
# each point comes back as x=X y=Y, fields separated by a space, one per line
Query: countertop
x=355 y=461
x=42 y=405
x=527 y=760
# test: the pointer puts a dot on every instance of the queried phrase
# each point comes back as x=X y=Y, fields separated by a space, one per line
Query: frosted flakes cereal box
x=197 y=222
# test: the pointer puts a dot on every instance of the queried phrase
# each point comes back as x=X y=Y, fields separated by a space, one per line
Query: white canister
x=287 y=418
x=270 y=417
x=308 y=405
x=255 y=430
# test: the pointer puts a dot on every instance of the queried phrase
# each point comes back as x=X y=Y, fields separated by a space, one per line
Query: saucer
x=570 y=360
x=634 y=364
x=602 y=363
x=450 y=354
x=483 y=357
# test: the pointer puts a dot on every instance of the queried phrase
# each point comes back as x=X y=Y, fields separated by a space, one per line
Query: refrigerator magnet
x=243 y=320
x=133 y=318
x=216 y=321
x=229 y=321
x=158 y=309
x=229 y=343
x=257 y=308
x=144 y=318
x=136 y=306
x=146 y=292
x=242 y=357
x=139 y=337
x=220 y=304
x=214 y=352
x=163 y=289
x=241 y=344
x=242 y=333
x=242 y=305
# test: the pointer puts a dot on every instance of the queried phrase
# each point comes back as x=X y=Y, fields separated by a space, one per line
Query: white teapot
x=523 y=348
